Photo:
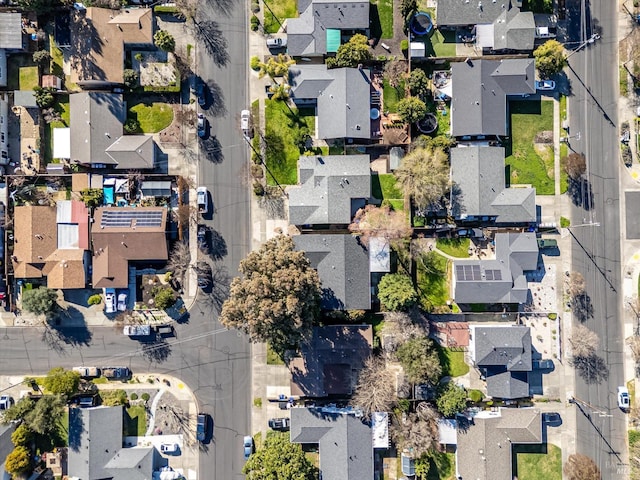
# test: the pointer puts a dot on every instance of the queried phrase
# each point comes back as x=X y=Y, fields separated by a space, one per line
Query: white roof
x=484 y=36
x=61 y=143
x=68 y=236
x=417 y=49
x=379 y=255
x=380 y=429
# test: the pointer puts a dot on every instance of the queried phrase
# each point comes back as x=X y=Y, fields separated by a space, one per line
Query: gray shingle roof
x=343 y=266
x=135 y=463
x=507 y=385
x=11 y=31
x=479 y=93
x=479 y=173
x=514 y=30
x=507 y=347
x=332 y=188
x=343 y=98
x=95 y=435
x=307 y=34
x=344 y=441
x=133 y=151
x=501 y=280
x=484 y=446
x=469 y=12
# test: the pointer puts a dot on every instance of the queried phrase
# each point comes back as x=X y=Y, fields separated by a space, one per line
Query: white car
x=122 y=302
x=276 y=42
x=110 y=300
x=137 y=330
x=5 y=402
x=169 y=448
x=87 y=372
x=245 y=122
x=545 y=85
x=624 y=400
x=202 y=199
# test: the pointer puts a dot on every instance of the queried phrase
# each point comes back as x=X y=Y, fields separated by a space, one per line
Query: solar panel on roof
x=129 y=218
x=476 y=272
x=497 y=274
x=460 y=273
x=488 y=274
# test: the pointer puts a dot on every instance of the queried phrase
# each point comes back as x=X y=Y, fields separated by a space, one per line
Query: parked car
x=202 y=237
x=87 y=401
x=276 y=42
x=544 y=364
x=110 y=300
x=202 y=199
x=116 y=373
x=202 y=125
x=122 y=302
x=200 y=93
x=623 y=398
x=137 y=330
x=204 y=275
x=547 y=243
x=168 y=448
x=5 y=402
x=87 y=372
x=164 y=330
x=281 y=424
x=245 y=123
x=201 y=427
x=552 y=418
x=247 y=444
x=545 y=85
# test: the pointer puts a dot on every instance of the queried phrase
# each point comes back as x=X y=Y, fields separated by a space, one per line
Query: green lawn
x=57 y=59
x=29 y=78
x=384 y=11
x=564 y=178
x=62 y=107
x=456 y=247
x=153 y=117
x=536 y=463
x=433 y=288
x=391 y=96
x=384 y=187
x=272 y=357
x=135 y=420
x=282 y=154
x=275 y=13
x=441 y=44
x=526 y=164
x=22 y=73
x=452 y=361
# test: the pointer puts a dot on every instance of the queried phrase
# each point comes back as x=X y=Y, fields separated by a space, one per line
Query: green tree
x=38 y=6
x=18 y=411
x=130 y=77
x=411 y=109
x=278 y=459
x=18 y=461
x=41 y=56
x=276 y=66
x=419 y=360
x=44 y=96
x=418 y=83
x=164 y=41
x=131 y=126
x=21 y=436
x=46 y=415
x=40 y=300
x=352 y=53
x=550 y=58
x=61 y=382
x=396 y=292
x=408 y=8
x=92 y=197
x=452 y=399
x=424 y=176
x=163 y=298
x=277 y=297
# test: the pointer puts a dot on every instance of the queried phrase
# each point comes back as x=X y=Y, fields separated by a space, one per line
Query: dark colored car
x=200 y=93
x=204 y=275
x=201 y=427
x=281 y=424
x=202 y=238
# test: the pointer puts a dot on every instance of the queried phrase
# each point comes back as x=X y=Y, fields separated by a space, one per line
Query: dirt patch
x=173 y=133
x=171 y=416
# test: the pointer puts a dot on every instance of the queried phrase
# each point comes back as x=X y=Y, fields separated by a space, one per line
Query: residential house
x=330 y=360
x=52 y=242
x=342 y=97
x=498 y=280
x=480 y=89
x=479 y=176
x=503 y=354
x=344 y=441
x=342 y=263
x=96 y=451
x=95 y=136
x=126 y=234
x=99 y=38
x=10 y=39
x=322 y=24
x=484 y=445
x=332 y=189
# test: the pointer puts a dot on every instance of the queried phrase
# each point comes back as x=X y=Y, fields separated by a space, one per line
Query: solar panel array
x=468 y=273
x=493 y=274
x=128 y=218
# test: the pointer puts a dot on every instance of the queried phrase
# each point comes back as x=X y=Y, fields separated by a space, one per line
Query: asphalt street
x=601 y=427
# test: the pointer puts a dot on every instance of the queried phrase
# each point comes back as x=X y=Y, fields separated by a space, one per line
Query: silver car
x=245 y=122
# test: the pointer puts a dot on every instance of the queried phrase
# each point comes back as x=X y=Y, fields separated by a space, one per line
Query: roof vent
x=357 y=127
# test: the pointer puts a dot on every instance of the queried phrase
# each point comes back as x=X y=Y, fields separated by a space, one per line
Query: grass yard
x=384 y=187
x=452 y=361
x=275 y=13
x=29 y=78
x=135 y=421
x=282 y=154
x=391 y=96
x=382 y=18
x=528 y=163
x=152 y=117
x=62 y=107
x=22 y=73
x=534 y=462
x=441 y=44
x=57 y=59
x=564 y=178
x=456 y=247
x=272 y=357
x=433 y=287
x=441 y=466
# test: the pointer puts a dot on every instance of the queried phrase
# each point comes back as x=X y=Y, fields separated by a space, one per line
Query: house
x=126 y=234
x=484 y=444
x=330 y=360
x=52 y=242
x=479 y=175
x=463 y=13
x=10 y=39
x=479 y=94
x=95 y=448
x=322 y=23
x=341 y=96
x=503 y=354
x=99 y=38
x=96 y=137
x=499 y=280
x=344 y=441
x=342 y=263
x=332 y=189
x=512 y=31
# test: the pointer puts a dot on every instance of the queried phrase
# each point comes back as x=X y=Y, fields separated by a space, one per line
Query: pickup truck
x=202 y=199
x=87 y=372
x=547 y=243
x=116 y=373
x=137 y=330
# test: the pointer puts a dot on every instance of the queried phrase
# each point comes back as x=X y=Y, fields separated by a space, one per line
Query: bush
x=255 y=6
x=145 y=396
x=133 y=396
x=396 y=292
x=552 y=316
x=113 y=398
x=168 y=276
x=139 y=57
x=41 y=56
x=255 y=63
x=564 y=222
x=44 y=96
x=258 y=188
x=131 y=126
x=255 y=23
x=166 y=9
x=404 y=404
x=130 y=77
x=626 y=155
x=164 y=41
x=256 y=171
x=95 y=299
x=475 y=396
x=163 y=298
x=404 y=45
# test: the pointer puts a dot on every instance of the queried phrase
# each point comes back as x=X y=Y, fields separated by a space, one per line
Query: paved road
x=601 y=429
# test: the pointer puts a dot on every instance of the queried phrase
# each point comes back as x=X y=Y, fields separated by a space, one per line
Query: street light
x=588 y=41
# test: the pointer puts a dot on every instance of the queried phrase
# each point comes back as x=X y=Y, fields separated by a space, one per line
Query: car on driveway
x=5 y=402
x=543 y=364
x=276 y=42
x=201 y=426
x=202 y=125
x=200 y=93
x=247 y=445
x=623 y=398
x=545 y=85
x=122 y=302
x=281 y=424
x=169 y=448
x=110 y=300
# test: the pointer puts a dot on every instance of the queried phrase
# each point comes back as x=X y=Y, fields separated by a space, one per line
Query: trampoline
x=428 y=124
x=421 y=23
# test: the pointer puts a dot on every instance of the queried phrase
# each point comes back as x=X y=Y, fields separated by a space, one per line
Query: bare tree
x=186 y=215
x=214 y=41
x=179 y=260
x=580 y=300
x=575 y=164
x=395 y=71
x=576 y=284
x=372 y=221
x=51 y=115
x=417 y=432
x=400 y=327
x=375 y=391
x=581 y=467
x=583 y=341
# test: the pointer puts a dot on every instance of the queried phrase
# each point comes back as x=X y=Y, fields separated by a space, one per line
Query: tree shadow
x=225 y=7
x=158 y=350
x=212 y=149
x=592 y=368
x=214 y=41
x=580 y=193
x=217 y=107
x=582 y=307
x=218 y=248
x=219 y=291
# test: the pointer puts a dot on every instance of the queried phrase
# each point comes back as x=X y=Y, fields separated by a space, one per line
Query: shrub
x=255 y=63
x=44 y=96
x=130 y=77
x=256 y=171
x=166 y=9
x=164 y=41
x=255 y=6
x=552 y=316
x=95 y=299
x=145 y=396
x=396 y=292
x=564 y=222
x=163 y=298
x=404 y=404
x=133 y=396
x=168 y=276
x=139 y=57
x=131 y=126
x=41 y=56
x=475 y=396
x=404 y=45
x=258 y=188
x=255 y=23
